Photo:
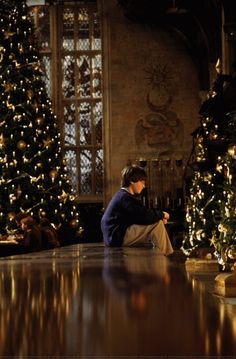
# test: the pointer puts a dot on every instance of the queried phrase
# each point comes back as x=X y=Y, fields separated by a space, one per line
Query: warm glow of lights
x=233 y=319
x=218 y=341
x=207 y=343
x=222 y=315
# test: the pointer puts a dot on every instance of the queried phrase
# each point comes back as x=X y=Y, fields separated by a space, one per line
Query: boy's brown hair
x=133 y=173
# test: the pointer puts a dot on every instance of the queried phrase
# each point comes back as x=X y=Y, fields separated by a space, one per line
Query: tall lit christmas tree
x=33 y=174
x=225 y=242
x=204 y=192
x=208 y=190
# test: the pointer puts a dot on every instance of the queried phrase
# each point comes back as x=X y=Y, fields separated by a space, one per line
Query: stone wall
x=151 y=97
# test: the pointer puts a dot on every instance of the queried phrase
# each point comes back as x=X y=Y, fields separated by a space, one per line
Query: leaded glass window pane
x=41 y=19
x=85 y=124
x=86 y=172
x=96 y=43
x=83 y=87
x=68 y=29
x=68 y=76
x=46 y=59
x=98 y=122
x=44 y=25
x=70 y=157
x=83 y=42
x=97 y=70
x=99 y=172
x=70 y=125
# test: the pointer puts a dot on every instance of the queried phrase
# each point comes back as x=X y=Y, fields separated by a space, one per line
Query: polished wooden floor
x=88 y=301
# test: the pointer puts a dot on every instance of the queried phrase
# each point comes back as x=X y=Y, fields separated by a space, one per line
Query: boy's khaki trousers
x=155 y=233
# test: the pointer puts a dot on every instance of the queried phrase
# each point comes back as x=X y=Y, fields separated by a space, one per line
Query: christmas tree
x=33 y=174
x=203 y=194
x=208 y=190
x=225 y=242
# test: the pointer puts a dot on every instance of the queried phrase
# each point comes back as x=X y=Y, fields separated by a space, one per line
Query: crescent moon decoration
x=160 y=108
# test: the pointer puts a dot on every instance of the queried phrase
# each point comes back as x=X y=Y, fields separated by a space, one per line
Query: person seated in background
x=127 y=222
x=49 y=235
x=18 y=219
x=31 y=238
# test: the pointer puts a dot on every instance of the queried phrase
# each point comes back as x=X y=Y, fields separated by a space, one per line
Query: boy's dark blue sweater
x=124 y=210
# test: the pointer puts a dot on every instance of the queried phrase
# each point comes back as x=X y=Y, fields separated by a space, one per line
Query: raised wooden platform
x=201 y=265
x=225 y=284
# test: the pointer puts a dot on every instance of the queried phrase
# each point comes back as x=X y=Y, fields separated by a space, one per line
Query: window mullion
x=77 y=102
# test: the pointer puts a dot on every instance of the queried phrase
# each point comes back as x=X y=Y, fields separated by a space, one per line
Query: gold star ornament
x=63 y=197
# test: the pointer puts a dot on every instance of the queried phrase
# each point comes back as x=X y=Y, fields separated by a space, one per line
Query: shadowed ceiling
x=197 y=22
